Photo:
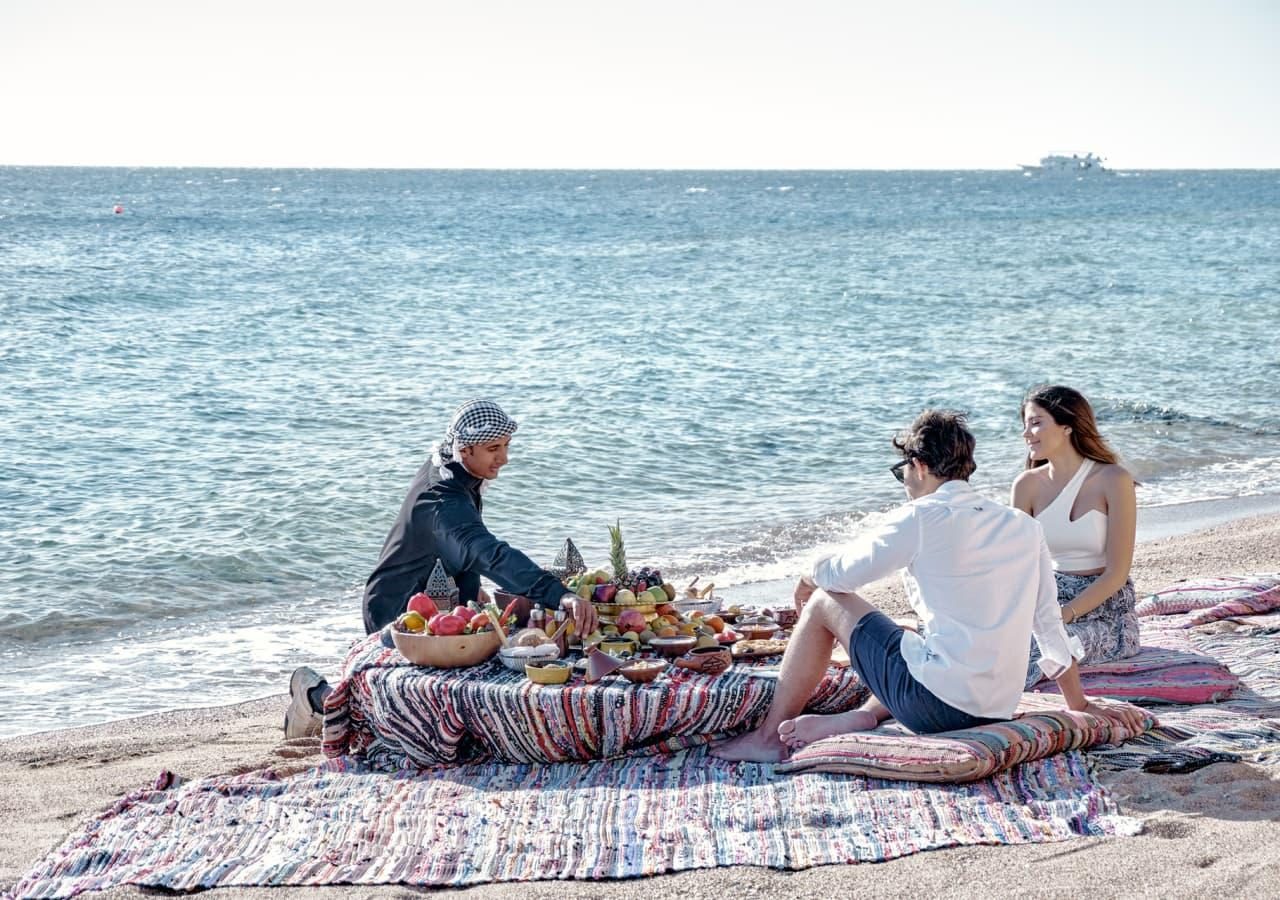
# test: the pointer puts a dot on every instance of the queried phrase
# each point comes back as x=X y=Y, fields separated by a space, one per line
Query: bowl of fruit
x=447 y=640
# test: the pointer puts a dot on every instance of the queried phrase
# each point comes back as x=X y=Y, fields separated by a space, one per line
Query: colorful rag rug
x=343 y=823
x=397 y=715
x=1246 y=726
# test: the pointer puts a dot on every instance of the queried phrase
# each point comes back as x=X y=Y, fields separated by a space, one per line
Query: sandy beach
x=1214 y=832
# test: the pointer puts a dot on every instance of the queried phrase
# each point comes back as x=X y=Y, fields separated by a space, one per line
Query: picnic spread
x=1213 y=668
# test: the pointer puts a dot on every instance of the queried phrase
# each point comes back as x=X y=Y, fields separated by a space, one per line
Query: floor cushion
x=1156 y=675
x=1215 y=597
x=1041 y=728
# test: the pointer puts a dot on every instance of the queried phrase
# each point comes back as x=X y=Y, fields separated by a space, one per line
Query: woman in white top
x=1084 y=500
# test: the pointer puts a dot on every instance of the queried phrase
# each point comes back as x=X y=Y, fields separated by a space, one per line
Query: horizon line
x=412 y=168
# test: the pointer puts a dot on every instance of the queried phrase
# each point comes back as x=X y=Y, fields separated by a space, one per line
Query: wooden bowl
x=673 y=646
x=756 y=628
x=642 y=671
x=548 y=671
x=453 y=652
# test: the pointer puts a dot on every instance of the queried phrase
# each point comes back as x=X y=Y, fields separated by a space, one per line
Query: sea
x=216 y=385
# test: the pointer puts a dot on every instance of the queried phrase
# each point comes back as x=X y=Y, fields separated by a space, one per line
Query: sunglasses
x=898 y=470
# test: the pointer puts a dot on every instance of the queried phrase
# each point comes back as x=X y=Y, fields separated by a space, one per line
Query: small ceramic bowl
x=673 y=646
x=514 y=658
x=642 y=671
x=548 y=671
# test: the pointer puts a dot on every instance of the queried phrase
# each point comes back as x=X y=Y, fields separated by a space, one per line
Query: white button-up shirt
x=980 y=578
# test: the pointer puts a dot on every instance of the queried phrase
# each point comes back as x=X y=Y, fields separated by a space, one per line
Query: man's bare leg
x=826 y=618
x=802 y=730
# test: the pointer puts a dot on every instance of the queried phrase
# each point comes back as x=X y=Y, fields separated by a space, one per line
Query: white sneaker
x=300 y=719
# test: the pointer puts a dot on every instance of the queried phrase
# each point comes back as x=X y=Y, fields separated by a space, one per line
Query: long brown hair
x=1068 y=407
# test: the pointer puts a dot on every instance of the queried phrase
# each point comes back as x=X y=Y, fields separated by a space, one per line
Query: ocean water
x=213 y=401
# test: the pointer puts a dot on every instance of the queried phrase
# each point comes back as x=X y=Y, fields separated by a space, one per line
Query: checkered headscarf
x=474 y=422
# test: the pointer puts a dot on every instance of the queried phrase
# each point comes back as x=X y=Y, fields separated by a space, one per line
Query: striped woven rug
x=342 y=823
x=1244 y=727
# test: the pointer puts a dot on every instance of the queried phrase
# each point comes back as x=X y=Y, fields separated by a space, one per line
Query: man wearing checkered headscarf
x=440 y=524
x=440 y=521
x=474 y=423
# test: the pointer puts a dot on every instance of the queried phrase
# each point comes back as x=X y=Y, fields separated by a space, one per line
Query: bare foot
x=801 y=730
x=754 y=746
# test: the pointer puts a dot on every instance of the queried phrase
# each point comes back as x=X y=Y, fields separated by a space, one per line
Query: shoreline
x=1210 y=832
x=1154 y=523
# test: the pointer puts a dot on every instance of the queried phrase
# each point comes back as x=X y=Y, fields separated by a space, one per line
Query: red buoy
x=118 y=209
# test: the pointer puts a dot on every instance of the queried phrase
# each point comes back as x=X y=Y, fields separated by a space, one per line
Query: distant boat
x=1062 y=164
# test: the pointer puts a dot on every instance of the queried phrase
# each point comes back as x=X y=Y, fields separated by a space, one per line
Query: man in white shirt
x=979 y=577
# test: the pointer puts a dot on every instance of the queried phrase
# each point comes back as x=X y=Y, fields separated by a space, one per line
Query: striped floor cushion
x=1041 y=729
x=1215 y=597
x=1157 y=675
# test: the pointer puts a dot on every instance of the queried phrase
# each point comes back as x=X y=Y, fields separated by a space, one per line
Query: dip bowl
x=548 y=671
x=642 y=671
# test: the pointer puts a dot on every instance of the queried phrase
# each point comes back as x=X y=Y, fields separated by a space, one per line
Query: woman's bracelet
x=1069 y=609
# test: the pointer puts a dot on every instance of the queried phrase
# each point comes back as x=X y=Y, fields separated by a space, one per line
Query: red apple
x=466 y=612
x=606 y=592
x=423 y=605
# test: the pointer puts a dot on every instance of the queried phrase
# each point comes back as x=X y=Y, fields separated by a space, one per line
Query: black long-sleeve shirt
x=440 y=520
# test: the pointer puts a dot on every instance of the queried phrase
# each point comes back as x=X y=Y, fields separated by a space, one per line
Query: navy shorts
x=875 y=651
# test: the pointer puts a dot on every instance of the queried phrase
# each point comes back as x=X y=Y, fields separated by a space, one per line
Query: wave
x=1111 y=410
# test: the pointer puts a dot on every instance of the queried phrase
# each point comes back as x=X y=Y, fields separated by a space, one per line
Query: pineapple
x=617 y=552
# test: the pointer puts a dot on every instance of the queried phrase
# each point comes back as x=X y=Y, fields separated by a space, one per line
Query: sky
x=844 y=84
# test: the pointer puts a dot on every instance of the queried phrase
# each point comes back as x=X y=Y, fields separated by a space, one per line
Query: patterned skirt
x=1108 y=631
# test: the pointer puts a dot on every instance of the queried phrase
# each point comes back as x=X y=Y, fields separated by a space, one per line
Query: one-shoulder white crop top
x=1078 y=546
